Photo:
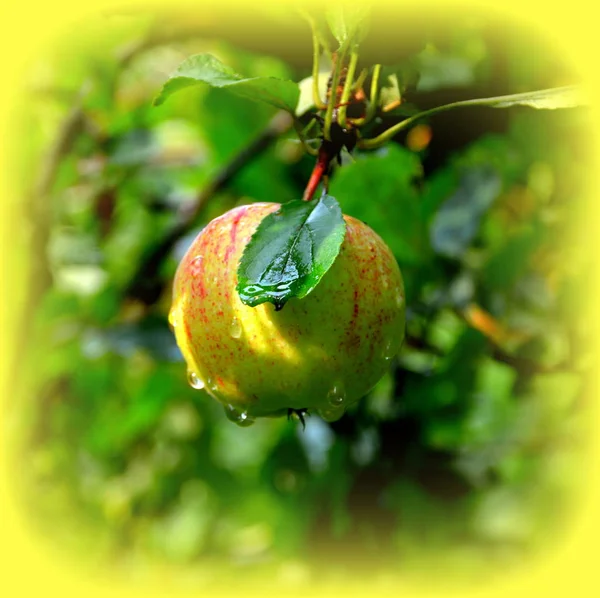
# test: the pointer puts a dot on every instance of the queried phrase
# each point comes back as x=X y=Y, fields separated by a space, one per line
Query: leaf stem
x=373 y=98
x=315 y=71
x=335 y=76
x=493 y=102
x=302 y=136
x=361 y=79
x=348 y=85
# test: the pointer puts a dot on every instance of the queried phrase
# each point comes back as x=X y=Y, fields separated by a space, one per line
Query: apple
x=319 y=353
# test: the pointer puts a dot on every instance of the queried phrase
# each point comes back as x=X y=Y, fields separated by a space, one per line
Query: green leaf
x=548 y=99
x=395 y=80
x=390 y=91
x=513 y=258
x=290 y=251
x=205 y=68
x=378 y=189
x=440 y=70
x=348 y=22
x=306 y=100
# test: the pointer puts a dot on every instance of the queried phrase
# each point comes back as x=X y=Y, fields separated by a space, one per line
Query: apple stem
x=320 y=170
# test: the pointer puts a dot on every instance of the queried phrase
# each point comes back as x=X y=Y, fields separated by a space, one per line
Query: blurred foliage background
x=466 y=455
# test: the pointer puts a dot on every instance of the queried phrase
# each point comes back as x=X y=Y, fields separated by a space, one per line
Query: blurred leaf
x=306 y=100
x=457 y=221
x=512 y=259
x=495 y=152
x=205 y=68
x=445 y=330
x=230 y=122
x=71 y=247
x=348 y=22
x=378 y=189
x=554 y=396
x=112 y=424
x=244 y=452
x=135 y=147
x=439 y=70
x=151 y=335
x=389 y=92
x=182 y=532
x=503 y=515
x=395 y=80
x=80 y=279
x=291 y=251
x=549 y=99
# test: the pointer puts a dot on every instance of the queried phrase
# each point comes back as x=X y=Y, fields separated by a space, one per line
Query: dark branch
x=146 y=285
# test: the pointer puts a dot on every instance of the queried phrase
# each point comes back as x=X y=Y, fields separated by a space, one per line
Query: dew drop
x=331 y=413
x=253 y=289
x=241 y=418
x=388 y=352
x=236 y=328
x=399 y=298
x=195 y=266
x=211 y=387
x=195 y=381
x=173 y=318
x=336 y=395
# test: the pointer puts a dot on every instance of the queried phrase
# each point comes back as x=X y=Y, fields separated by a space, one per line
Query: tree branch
x=146 y=286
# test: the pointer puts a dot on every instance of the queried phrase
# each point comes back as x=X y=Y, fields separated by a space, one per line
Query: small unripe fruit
x=322 y=352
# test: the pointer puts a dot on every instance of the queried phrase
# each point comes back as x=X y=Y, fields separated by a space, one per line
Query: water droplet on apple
x=276 y=293
x=331 y=413
x=336 y=395
x=194 y=380
x=236 y=328
x=237 y=416
x=399 y=298
x=195 y=264
x=173 y=318
x=253 y=289
x=388 y=352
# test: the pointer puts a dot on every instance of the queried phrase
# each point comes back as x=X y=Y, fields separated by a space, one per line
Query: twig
x=523 y=365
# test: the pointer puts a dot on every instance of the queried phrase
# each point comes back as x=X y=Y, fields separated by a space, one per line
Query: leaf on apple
x=206 y=69
x=291 y=251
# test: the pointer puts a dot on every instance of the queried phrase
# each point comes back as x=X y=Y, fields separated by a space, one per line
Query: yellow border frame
x=29 y=568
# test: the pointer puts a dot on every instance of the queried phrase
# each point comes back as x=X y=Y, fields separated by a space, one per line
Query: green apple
x=319 y=353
